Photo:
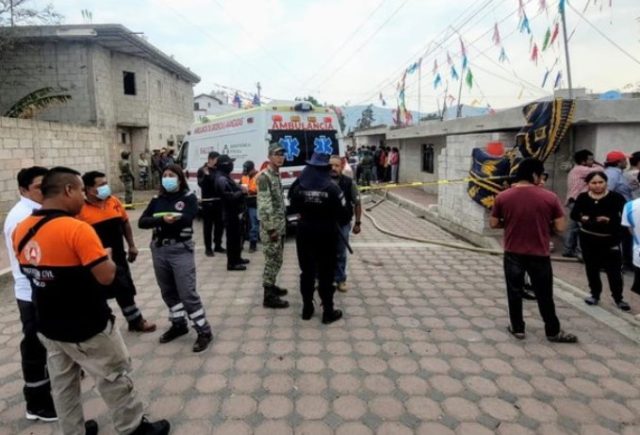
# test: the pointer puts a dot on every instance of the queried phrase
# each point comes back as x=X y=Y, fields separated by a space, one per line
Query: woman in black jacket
x=170 y=215
x=599 y=213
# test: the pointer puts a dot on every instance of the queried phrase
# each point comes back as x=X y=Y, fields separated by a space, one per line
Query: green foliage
x=41 y=99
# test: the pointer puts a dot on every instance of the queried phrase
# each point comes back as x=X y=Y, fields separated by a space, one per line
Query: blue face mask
x=170 y=184
x=104 y=192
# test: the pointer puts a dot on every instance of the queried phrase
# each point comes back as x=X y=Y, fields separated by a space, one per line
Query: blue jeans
x=341 y=264
x=254 y=225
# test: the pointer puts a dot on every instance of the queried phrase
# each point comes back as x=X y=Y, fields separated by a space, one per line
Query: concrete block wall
x=411 y=160
x=26 y=143
x=454 y=162
x=54 y=64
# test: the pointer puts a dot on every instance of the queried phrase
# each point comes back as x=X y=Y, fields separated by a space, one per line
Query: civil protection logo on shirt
x=179 y=205
x=32 y=252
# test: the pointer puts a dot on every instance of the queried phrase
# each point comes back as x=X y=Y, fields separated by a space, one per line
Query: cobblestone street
x=422 y=348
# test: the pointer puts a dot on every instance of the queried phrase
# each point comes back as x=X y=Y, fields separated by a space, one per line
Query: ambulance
x=298 y=126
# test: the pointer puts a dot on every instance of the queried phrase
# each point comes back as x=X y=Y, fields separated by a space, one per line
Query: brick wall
x=26 y=143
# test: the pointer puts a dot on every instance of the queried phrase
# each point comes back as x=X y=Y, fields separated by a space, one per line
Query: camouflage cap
x=275 y=147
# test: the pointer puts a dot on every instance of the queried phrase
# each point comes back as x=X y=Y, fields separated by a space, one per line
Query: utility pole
x=11 y=12
x=259 y=89
x=419 y=90
x=566 y=46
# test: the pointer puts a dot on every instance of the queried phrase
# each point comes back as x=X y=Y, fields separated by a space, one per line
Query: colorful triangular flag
x=547 y=38
x=469 y=78
x=544 y=80
x=437 y=81
x=555 y=33
x=496 y=35
x=534 y=54
x=435 y=66
x=503 y=55
x=561 y=7
x=524 y=24
x=382 y=101
x=465 y=63
x=449 y=61
x=558 y=80
x=454 y=73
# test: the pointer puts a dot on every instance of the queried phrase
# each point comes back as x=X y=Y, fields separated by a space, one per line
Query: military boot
x=279 y=291
x=272 y=300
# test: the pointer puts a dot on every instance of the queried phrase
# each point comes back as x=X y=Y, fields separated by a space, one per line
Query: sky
x=351 y=51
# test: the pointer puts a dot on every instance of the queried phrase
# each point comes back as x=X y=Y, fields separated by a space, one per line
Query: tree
x=28 y=106
x=310 y=99
x=367 y=118
x=15 y=12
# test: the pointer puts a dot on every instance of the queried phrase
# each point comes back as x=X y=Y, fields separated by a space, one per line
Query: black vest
x=346 y=185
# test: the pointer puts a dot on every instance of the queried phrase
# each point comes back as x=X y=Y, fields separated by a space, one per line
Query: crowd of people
x=374 y=165
x=72 y=244
x=67 y=235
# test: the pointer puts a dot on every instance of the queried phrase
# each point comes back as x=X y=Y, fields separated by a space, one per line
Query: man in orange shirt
x=106 y=214
x=249 y=174
x=68 y=269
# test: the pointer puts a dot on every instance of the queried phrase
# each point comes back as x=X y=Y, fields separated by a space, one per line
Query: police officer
x=211 y=206
x=126 y=176
x=321 y=206
x=232 y=196
x=106 y=214
x=171 y=216
x=273 y=227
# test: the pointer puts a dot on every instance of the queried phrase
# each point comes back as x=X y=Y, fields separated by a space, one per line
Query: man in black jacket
x=211 y=205
x=232 y=195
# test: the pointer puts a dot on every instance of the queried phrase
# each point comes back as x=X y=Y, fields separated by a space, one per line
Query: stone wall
x=26 y=143
x=454 y=162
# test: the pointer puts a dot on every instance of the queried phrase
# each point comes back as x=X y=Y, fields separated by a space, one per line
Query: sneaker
x=592 y=300
x=563 y=337
x=209 y=253
x=202 y=342
x=342 y=287
x=160 y=427
x=220 y=249
x=47 y=415
x=142 y=325
x=518 y=335
x=91 y=427
x=569 y=255
x=173 y=332
x=624 y=306
x=528 y=294
x=331 y=316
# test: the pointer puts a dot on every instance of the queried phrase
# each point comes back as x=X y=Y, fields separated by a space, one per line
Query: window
x=129 y=81
x=209 y=105
x=427 y=158
x=196 y=106
x=123 y=138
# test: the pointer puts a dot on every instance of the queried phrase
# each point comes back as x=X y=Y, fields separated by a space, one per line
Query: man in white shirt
x=37 y=388
x=631 y=220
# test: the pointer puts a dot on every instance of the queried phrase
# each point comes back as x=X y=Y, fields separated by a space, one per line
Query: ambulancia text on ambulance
x=298 y=126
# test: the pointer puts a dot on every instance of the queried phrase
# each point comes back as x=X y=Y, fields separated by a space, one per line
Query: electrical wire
x=344 y=43
x=604 y=35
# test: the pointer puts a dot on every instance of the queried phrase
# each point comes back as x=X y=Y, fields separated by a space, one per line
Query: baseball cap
x=615 y=156
x=224 y=159
x=275 y=147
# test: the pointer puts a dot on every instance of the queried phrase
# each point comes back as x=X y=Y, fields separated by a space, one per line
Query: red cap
x=615 y=156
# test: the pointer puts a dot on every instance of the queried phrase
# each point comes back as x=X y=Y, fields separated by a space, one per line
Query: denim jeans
x=570 y=238
x=341 y=264
x=539 y=270
x=254 y=224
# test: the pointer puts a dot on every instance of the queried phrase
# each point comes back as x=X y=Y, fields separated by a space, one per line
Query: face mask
x=170 y=184
x=104 y=192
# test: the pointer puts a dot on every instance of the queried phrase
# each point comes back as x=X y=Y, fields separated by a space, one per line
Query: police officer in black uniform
x=232 y=196
x=321 y=205
x=211 y=205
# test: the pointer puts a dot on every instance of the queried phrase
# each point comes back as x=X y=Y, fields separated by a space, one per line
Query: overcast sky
x=351 y=50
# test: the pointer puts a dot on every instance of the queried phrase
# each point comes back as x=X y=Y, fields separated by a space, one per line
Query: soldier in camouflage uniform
x=272 y=216
x=126 y=176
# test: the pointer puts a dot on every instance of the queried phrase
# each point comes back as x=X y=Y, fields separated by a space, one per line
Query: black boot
x=330 y=316
x=272 y=300
x=91 y=427
x=278 y=291
x=253 y=247
x=307 y=310
x=160 y=427
x=202 y=342
x=174 y=332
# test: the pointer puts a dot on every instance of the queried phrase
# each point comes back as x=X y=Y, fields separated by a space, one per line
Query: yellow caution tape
x=385 y=186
